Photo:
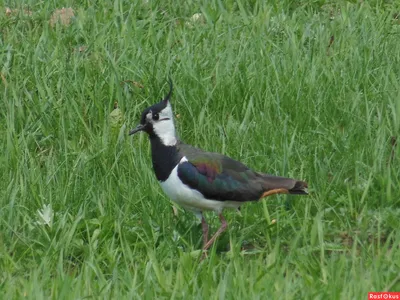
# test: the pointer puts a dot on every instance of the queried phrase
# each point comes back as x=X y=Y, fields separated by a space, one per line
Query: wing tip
x=300 y=188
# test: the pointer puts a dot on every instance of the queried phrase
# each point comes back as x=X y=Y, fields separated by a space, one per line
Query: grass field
x=307 y=90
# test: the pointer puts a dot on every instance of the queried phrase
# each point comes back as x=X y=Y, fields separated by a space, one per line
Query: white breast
x=189 y=198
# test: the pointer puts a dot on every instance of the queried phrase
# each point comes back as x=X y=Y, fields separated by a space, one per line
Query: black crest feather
x=167 y=98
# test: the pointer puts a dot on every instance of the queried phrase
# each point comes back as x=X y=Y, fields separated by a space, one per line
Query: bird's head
x=158 y=121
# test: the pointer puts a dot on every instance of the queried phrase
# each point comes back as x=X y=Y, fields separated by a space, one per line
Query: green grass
x=254 y=81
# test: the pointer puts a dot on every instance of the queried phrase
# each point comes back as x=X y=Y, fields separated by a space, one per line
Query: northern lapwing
x=200 y=180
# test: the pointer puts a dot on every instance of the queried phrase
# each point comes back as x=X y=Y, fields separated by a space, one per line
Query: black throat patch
x=165 y=158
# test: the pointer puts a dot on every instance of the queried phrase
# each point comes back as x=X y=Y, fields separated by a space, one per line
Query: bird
x=202 y=181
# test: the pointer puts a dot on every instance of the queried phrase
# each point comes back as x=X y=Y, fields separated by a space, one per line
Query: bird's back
x=219 y=177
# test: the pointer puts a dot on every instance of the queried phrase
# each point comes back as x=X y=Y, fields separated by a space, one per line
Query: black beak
x=138 y=128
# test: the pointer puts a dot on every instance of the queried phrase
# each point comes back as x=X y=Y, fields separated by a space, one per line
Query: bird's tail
x=281 y=185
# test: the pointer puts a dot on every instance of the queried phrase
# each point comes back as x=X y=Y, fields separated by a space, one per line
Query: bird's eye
x=156 y=117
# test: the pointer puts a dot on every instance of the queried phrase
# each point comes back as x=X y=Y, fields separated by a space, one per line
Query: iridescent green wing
x=219 y=177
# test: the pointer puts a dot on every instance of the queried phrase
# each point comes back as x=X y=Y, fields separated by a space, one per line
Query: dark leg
x=223 y=227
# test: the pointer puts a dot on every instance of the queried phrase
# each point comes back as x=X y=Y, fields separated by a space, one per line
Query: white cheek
x=165 y=130
x=149 y=116
x=167 y=112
